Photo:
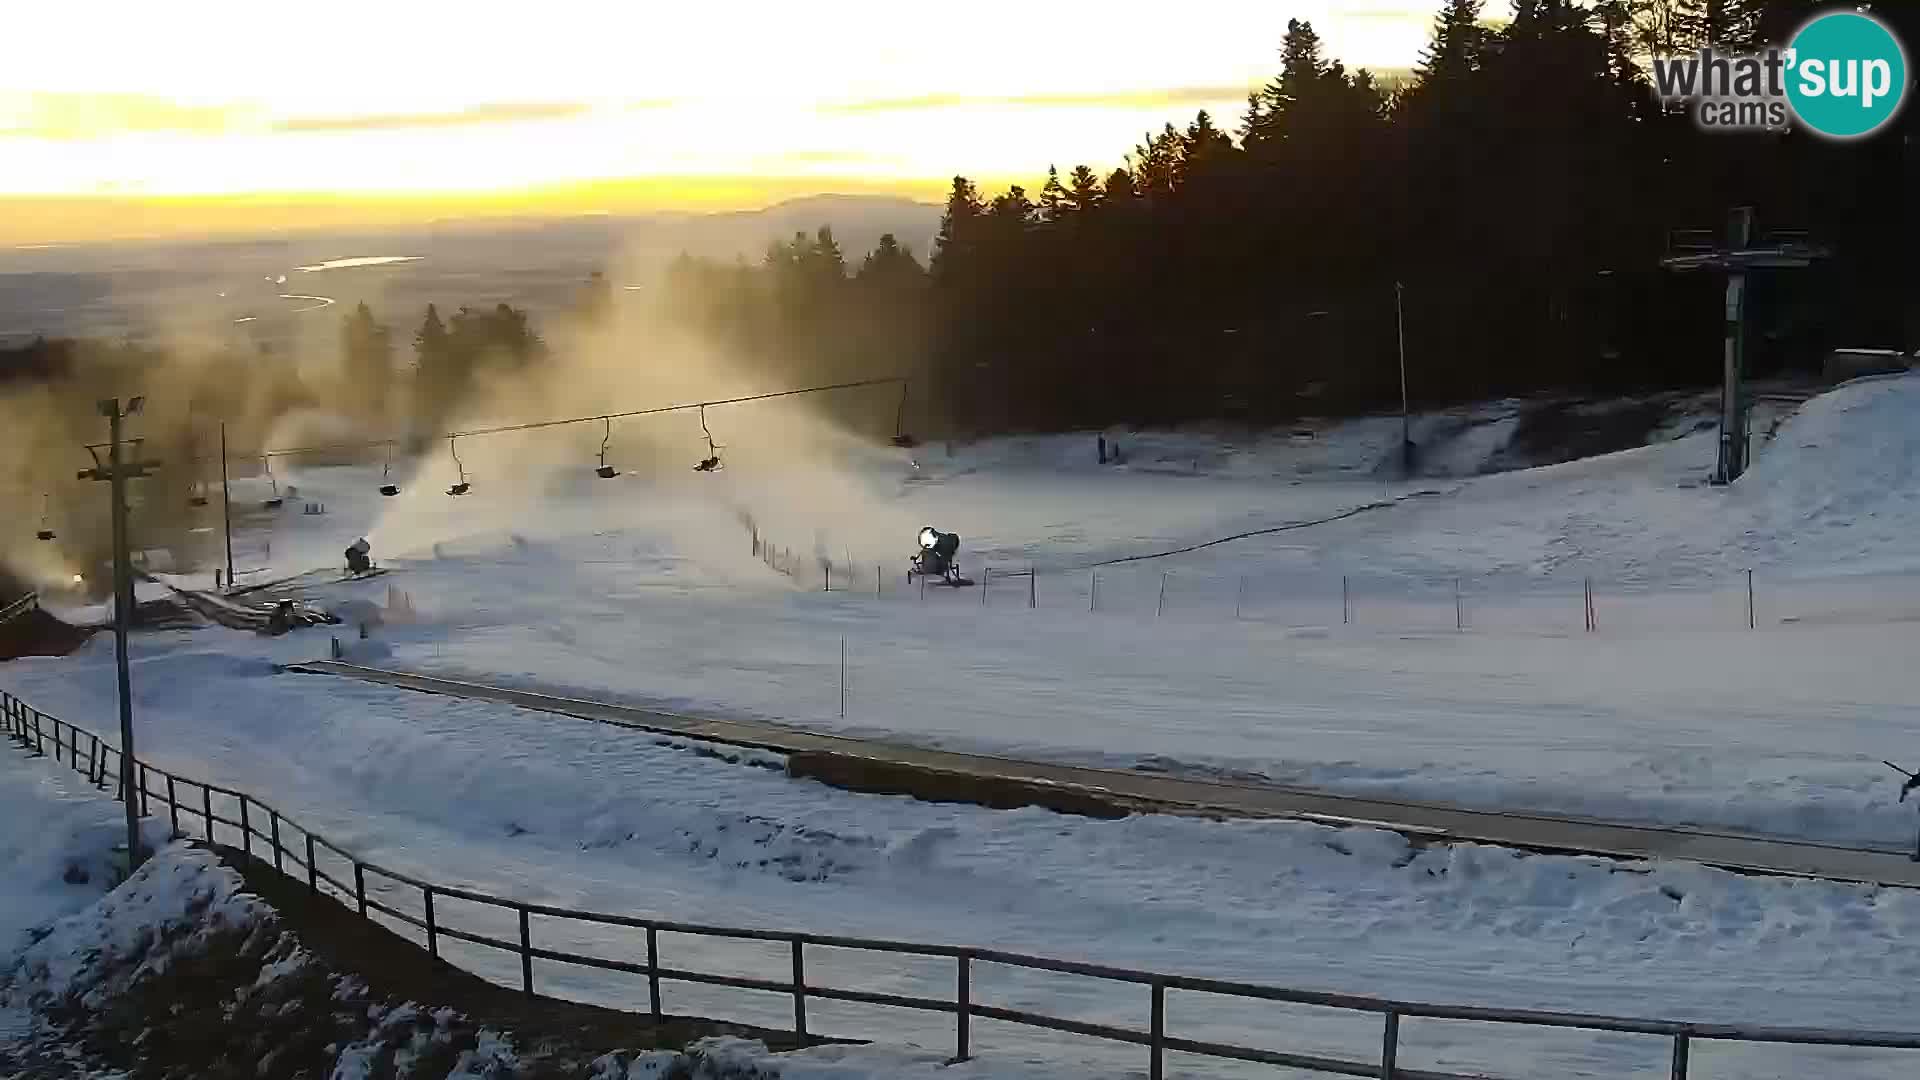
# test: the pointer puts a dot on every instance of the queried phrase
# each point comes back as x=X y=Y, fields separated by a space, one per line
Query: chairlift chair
x=46 y=509
x=710 y=463
x=272 y=502
x=464 y=485
x=606 y=471
x=387 y=486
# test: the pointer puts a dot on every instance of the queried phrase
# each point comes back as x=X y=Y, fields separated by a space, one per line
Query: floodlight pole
x=1733 y=413
x=1406 y=414
x=117 y=473
x=226 y=502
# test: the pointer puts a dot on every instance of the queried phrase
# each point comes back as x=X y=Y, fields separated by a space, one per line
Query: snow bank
x=1840 y=482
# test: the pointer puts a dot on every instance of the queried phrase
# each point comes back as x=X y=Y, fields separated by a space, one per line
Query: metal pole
x=226 y=502
x=526 y=954
x=1240 y=598
x=1459 y=613
x=1390 y=1046
x=1160 y=608
x=1158 y=1034
x=963 y=1010
x=122 y=622
x=1346 y=601
x=843 y=676
x=1680 y=1048
x=433 y=931
x=1751 y=622
x=653 y=972
x=1406 y=416
x=799 y=991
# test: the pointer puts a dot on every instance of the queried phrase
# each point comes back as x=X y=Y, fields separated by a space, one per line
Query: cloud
x=501 y=113
x=1153 y=97
x=65 y=116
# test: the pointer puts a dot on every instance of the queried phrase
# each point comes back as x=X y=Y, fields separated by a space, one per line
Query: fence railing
x=1735 y=597
x=293 y=850
x=23 y=606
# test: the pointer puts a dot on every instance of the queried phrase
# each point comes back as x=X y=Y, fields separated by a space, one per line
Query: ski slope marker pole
x=1160 y=608
x=1752 y=622
x=843 y=676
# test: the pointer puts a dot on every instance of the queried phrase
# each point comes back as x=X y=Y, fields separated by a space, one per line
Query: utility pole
x=117 y=472
x=226 y=502
x=1406 y=415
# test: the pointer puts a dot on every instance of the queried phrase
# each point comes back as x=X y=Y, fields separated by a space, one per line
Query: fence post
x=843 y=676
x=360 y=888
x=799 y=991
x=273 y=818
x=1680 y=1049
x=1160 y=608
x=653 y=971
x=1093 y=593
x=1459 y=612
x=173 y=807
x=1157 y=1038
x=1346 y=601
x=313 y=870
x=206 y=808
x=433 y=931
x=146 y=789
x=1390 y=1046
x=1240 y=597
x=1751 y=622
x=827 y=567
x=246 y=833
x=39 y=737
x=986 y=585
x=526 y=954
x=93 y=754
x=1033 y=588
x=963 y=1002
x=876 y=579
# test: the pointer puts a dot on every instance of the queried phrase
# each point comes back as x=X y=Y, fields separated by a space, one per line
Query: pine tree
x=1455 y=51
x=1085 y=194
x=430 y=341
x=1053 y=197
x=366 y=349
x=958 y=239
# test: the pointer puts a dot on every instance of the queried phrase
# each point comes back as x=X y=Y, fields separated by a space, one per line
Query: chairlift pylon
x=606 y=471
x=463 y=486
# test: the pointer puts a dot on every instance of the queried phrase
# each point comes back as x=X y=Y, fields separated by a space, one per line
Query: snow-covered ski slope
x=645 y=589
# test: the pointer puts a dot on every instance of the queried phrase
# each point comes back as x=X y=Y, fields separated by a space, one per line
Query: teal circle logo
x=1848 y=75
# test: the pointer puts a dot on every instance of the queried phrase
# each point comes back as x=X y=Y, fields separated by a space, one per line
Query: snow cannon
x=937 y=558
x=359 y=557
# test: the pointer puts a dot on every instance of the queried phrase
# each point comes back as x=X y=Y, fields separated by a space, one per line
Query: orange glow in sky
x=693 y=104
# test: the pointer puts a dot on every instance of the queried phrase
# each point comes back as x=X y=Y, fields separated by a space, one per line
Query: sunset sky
x=132 y=116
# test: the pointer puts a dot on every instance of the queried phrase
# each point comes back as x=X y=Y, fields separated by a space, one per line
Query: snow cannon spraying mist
x=937 y=558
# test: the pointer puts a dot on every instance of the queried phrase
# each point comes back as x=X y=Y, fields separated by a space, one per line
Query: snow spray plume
x=795 y=465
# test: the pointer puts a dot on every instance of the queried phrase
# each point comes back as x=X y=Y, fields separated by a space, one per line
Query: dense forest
x=1516 y=194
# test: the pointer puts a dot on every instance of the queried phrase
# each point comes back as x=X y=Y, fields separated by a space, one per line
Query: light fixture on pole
x=116 y=472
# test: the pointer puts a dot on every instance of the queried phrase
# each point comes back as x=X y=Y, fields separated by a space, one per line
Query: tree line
x=1511 y=200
